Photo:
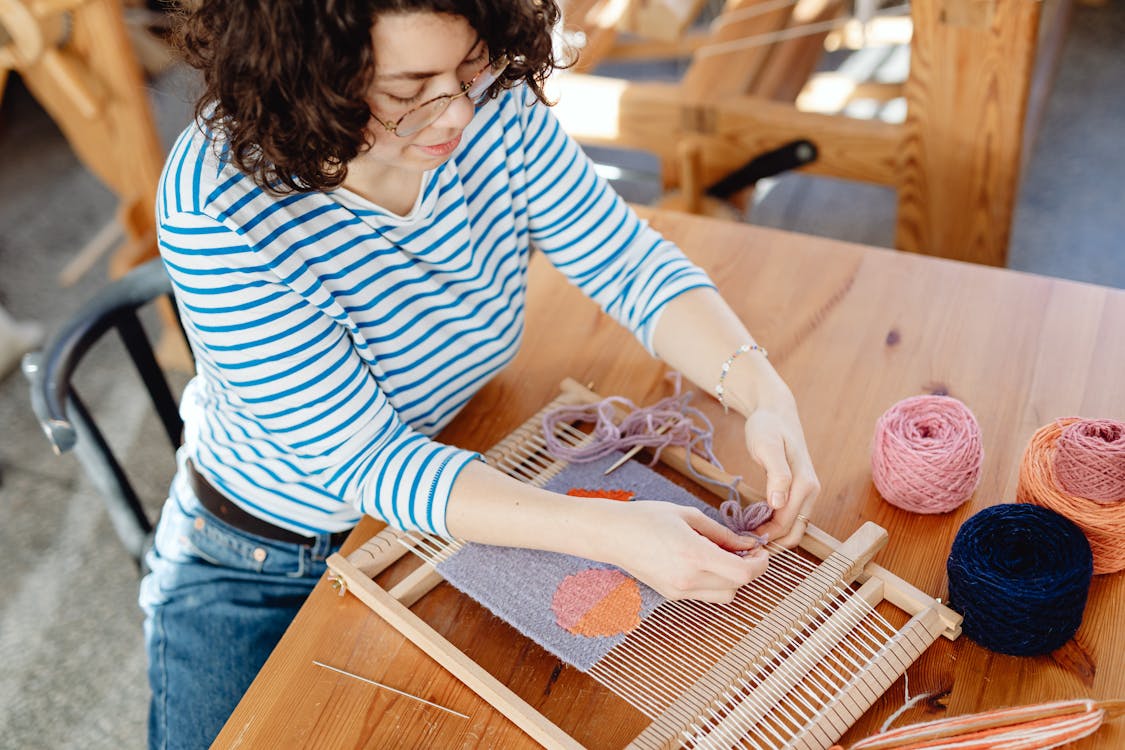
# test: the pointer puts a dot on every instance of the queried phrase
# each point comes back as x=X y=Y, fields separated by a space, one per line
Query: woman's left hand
x=776 y=441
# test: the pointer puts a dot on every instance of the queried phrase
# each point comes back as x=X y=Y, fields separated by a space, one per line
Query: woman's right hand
x=678 y=551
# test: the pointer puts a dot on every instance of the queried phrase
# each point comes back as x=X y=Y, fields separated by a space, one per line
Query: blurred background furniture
x=78 y=60
x=71 y=425
x=955 y=161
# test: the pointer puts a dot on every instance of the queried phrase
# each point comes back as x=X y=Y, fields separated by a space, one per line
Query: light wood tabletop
x=853 y=330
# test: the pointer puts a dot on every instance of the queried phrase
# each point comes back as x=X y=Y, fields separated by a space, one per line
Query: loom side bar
x=861 y=546
x=901 y=593
x=477 y=679
x=416 y=585
x=381 y=551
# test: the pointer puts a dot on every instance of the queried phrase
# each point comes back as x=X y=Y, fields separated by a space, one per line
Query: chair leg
x=126 y=514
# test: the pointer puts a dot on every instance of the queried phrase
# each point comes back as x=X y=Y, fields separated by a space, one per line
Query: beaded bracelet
x=720 y=391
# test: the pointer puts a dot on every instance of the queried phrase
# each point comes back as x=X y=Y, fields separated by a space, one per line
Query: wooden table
x=853 y=330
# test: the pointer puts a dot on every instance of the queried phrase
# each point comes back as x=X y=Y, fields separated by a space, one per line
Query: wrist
x=745 y=379
x=594 y=528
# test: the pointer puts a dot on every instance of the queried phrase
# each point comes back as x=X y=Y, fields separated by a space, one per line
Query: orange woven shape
x=623 y=496
x=1103 y=523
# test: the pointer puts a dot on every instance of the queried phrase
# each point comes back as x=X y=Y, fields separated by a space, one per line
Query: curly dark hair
x=285 y=81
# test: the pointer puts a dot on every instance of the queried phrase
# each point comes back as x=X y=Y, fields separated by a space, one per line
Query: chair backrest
x=67 y=421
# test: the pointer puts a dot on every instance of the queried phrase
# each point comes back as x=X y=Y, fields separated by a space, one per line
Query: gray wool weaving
x=521 y=586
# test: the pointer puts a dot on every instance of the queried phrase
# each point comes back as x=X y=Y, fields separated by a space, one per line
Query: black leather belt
x=228 y=512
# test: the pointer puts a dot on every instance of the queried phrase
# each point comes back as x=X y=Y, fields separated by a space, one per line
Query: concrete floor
x=70 y=640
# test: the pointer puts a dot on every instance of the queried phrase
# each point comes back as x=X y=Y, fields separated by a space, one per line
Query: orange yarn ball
x=1089 y=455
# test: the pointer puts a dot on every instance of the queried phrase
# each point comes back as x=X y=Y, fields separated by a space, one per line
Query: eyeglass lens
x=420 y=118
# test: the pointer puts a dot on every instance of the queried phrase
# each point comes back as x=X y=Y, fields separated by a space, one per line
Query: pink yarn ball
x=927 y=454
x=1089 y=460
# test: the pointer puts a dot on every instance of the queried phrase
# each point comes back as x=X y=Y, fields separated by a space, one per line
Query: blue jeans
x=216 y=602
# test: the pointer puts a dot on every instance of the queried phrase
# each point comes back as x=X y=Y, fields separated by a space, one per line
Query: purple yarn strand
x=670 y=421
x=744 y=519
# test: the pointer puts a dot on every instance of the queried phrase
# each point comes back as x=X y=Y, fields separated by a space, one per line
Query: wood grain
x=1020 y=350
x=970 y=73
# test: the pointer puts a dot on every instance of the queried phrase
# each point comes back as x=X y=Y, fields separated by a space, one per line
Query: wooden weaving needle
x=636 y=449
x=393 y=690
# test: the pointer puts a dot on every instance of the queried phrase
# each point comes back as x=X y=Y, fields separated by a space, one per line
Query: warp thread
x=1019 y=574
x=669 y=421
x=927 y=454
x=1077 y=467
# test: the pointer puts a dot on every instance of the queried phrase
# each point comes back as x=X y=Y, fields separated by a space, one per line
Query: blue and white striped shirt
x=334 y=338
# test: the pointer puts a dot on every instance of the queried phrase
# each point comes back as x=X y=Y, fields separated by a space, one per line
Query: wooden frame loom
x=793 y=662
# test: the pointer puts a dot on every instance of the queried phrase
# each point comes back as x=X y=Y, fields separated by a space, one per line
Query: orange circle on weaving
x=597 y=602
x=1102 y=523
x=621 y=495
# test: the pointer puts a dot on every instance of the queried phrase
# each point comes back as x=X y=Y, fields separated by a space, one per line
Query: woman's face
x=419 y=56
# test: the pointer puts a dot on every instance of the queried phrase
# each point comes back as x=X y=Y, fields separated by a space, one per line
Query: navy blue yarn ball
x=1020 y=575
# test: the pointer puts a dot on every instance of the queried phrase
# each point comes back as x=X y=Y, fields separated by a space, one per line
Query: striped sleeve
x=592 y=236
x=303 y=417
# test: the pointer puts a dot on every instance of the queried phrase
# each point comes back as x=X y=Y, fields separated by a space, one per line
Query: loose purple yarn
x=670 y=421
x=744 y=519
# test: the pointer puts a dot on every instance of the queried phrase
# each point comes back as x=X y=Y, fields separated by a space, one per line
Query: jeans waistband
x=228 y=512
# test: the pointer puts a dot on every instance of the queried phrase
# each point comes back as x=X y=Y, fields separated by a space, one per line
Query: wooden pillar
x=970 y=72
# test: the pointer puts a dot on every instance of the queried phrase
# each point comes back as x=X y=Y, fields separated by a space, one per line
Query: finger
x=716 y=596
x=715 y=588
x=738 y=569
x=788 y=526
x=703 y=580
x=795 y=532
x=770 y=453
x=721 y=535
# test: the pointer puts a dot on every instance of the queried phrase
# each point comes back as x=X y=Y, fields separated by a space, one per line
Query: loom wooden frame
x=355 y=574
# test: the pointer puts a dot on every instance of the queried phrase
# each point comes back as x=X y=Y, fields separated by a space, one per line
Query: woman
x=348 y=228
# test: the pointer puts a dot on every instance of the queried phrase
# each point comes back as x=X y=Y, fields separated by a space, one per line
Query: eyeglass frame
x=494 y=67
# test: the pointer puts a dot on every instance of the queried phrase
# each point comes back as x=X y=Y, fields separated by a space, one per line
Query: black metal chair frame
x=67 y=421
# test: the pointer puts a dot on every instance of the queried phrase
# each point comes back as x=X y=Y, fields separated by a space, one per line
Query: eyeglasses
x=424 y=115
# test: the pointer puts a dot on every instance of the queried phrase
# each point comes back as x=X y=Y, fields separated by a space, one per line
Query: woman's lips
x=442 y=149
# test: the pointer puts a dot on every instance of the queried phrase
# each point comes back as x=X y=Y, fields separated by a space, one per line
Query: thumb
x=779 y=476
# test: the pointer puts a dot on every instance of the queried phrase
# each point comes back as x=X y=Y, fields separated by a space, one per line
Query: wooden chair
x=67 y=420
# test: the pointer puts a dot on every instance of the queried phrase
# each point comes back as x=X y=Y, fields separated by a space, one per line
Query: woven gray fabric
x=518 y=585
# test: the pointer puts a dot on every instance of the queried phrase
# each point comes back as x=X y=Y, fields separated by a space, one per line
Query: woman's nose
x=457 y=115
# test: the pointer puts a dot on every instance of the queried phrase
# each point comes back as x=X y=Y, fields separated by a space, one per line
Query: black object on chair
x=784 y=158
x=66 y=420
